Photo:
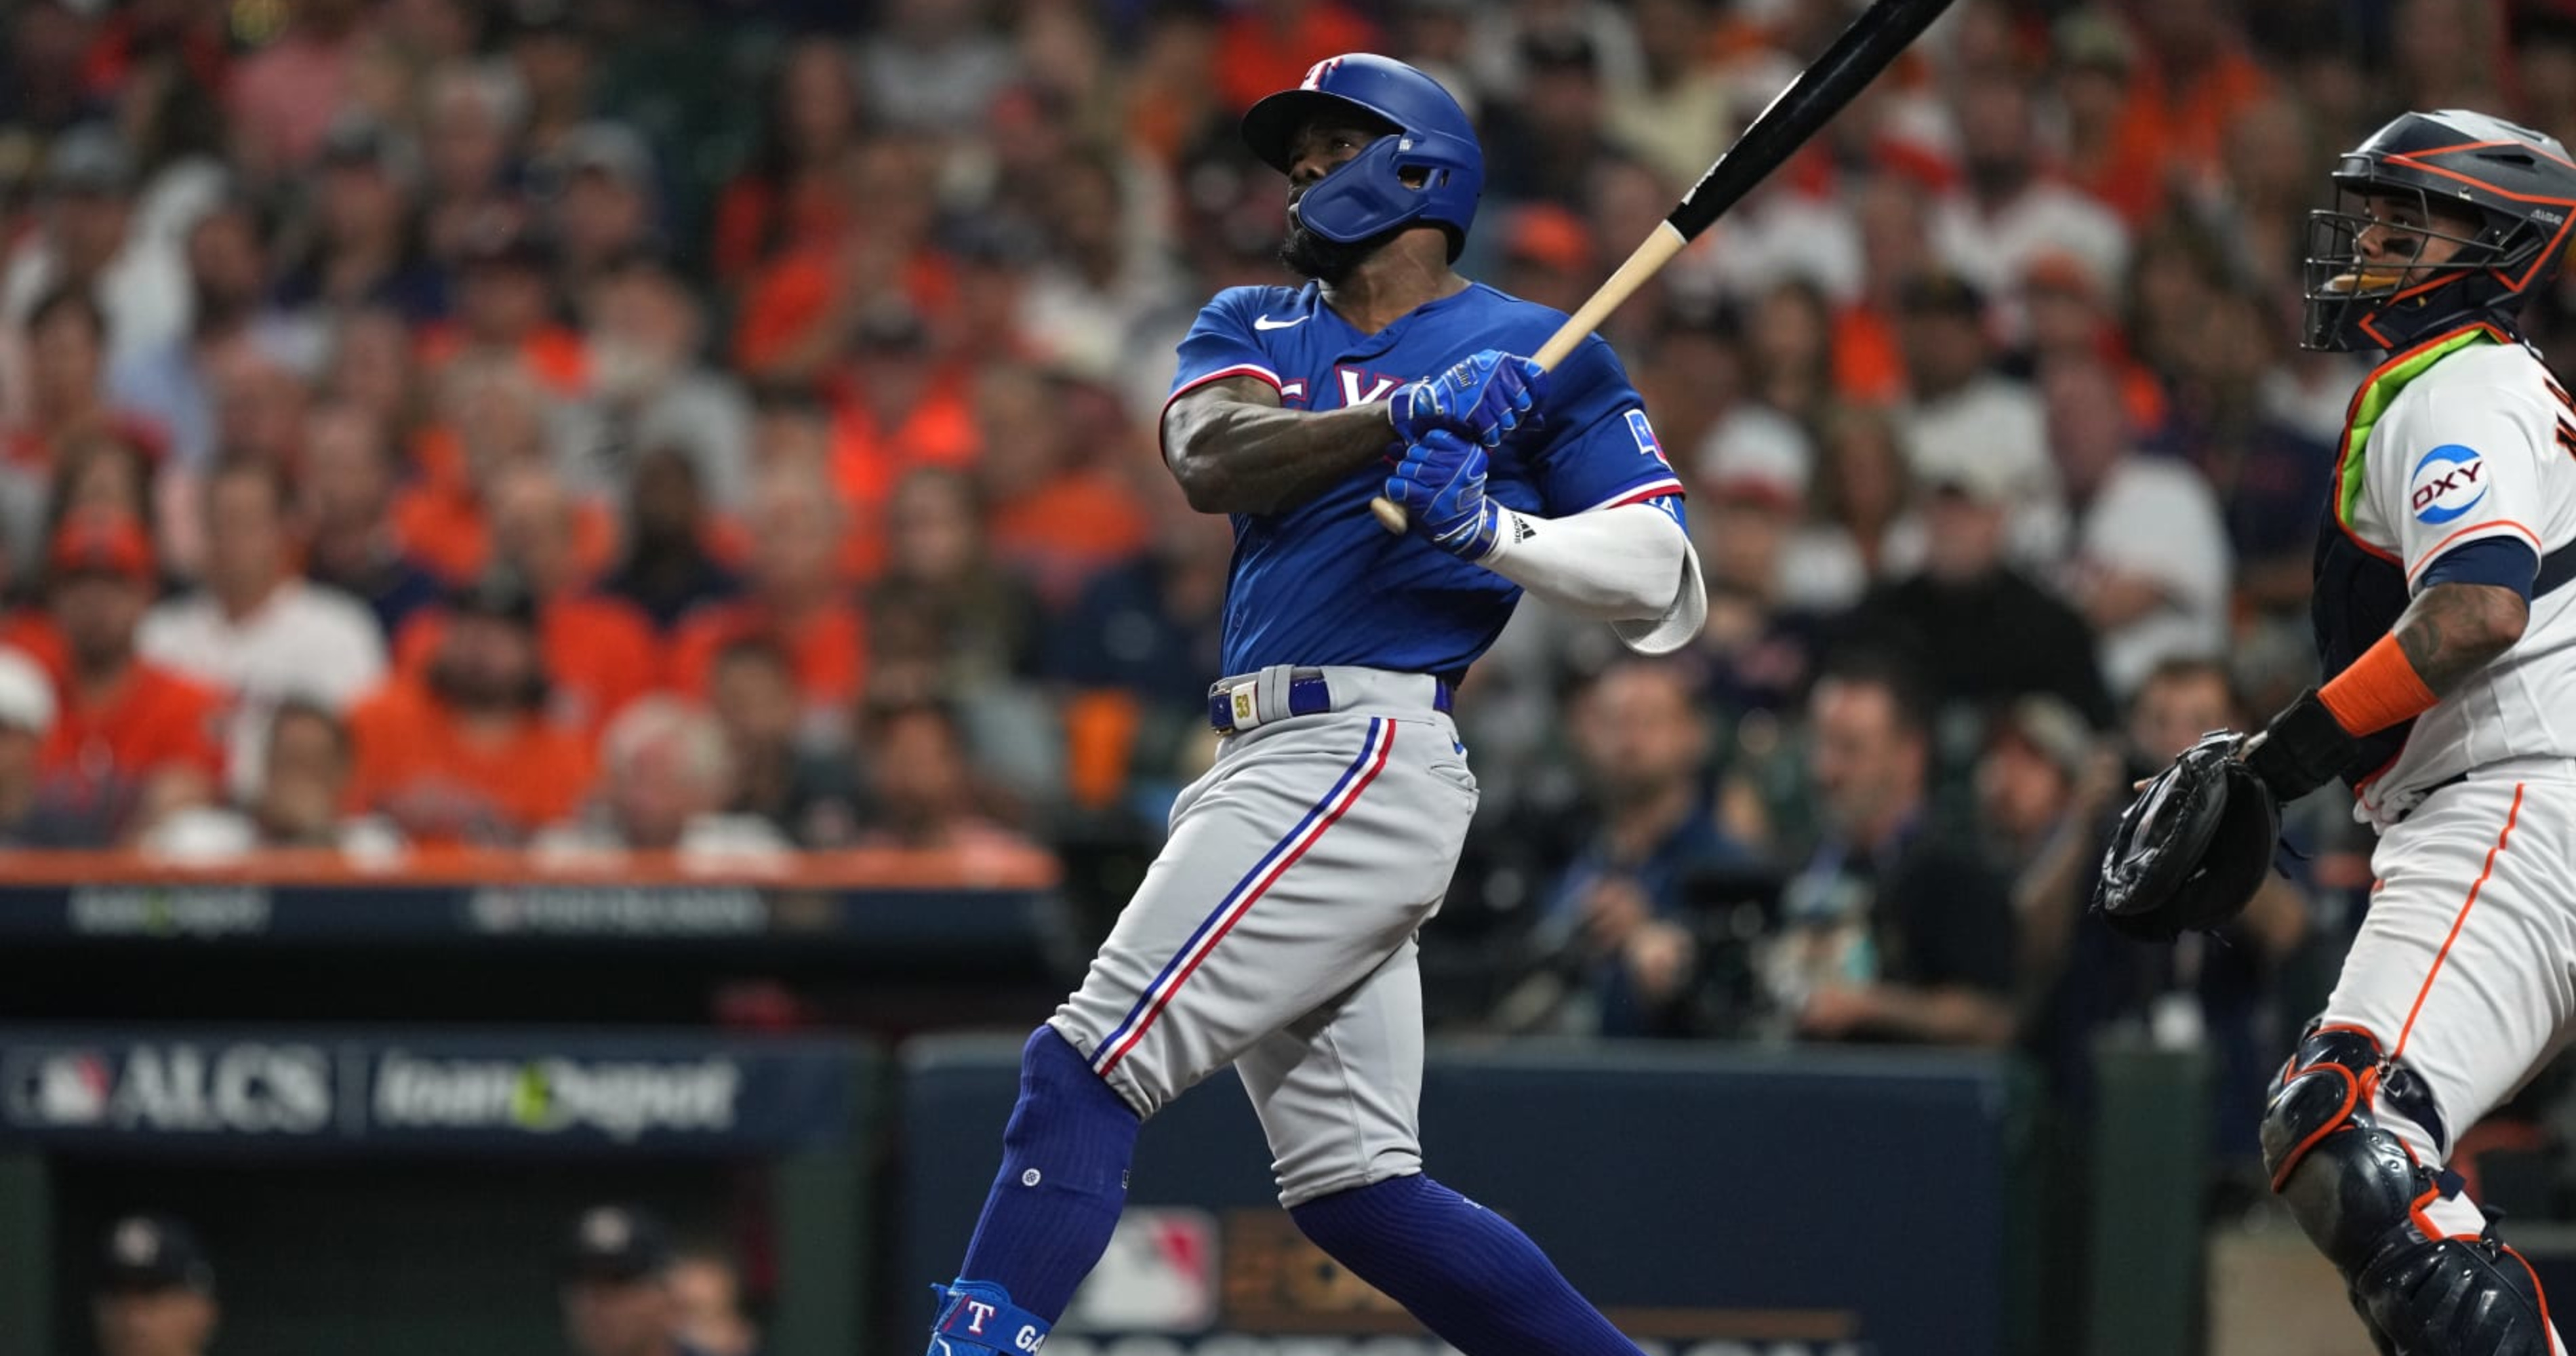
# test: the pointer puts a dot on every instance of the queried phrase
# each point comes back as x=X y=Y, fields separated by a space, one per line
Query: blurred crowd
x=729 y=426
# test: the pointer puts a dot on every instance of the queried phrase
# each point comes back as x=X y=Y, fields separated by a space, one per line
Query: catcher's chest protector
x=2358 y=598
x=2359 y=594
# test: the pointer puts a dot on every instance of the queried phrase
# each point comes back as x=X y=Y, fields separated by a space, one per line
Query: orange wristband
x=2379 y=690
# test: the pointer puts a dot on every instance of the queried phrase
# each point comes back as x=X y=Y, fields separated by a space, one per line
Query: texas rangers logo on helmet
x=1318 y=73
x=2448 y=482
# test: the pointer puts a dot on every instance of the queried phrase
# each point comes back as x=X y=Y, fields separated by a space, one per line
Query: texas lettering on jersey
x=1322 y=583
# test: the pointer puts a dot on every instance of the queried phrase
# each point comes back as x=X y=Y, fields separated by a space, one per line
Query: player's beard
x=1327 y=261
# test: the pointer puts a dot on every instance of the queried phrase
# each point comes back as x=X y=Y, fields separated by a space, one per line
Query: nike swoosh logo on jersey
x=1266 y=323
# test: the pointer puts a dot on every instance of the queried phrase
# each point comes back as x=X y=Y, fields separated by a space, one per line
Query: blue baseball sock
x=1472 y=1278
x=1063 y=1181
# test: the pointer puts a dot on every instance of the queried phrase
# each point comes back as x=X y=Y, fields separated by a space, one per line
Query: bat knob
x=1389 y=516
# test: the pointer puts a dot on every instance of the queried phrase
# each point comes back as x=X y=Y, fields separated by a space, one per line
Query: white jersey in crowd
x=2480 y=445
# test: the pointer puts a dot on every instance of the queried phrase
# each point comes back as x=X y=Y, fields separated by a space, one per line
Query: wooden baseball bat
x=1794 y=115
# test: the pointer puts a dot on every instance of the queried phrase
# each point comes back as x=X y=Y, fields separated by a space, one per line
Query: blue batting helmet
x=1426 y=167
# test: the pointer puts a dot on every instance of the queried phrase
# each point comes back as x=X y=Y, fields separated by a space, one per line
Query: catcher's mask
x=2501 y=194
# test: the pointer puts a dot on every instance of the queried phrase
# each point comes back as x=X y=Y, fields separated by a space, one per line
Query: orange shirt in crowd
x=2171 y=126
x=757 y=219
x=1869 y=365
x=154 y=720
x=1070 y=529
x=784 y=302
x=1255 y=56
x=554 y=355
x=868 y=457
x=828 y=648
x=445 y=783
x=440 y=524
x=600 y=653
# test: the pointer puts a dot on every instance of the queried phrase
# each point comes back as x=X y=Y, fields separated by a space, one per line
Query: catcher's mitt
x=2192 y=848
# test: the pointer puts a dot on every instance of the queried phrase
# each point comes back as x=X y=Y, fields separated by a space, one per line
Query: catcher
x=2447 y=635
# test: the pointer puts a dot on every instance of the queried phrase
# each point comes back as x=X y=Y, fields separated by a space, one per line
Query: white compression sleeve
x=1631 y=566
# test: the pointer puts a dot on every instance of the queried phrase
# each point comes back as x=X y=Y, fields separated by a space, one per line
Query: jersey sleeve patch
x=2447 y=484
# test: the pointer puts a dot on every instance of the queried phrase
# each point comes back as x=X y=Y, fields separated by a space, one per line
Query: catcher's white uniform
x=2465 y=969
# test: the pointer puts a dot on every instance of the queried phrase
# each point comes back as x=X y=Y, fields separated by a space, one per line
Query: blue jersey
x=1322 y=583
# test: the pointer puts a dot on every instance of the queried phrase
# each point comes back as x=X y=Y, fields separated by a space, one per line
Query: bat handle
x=1389 y=515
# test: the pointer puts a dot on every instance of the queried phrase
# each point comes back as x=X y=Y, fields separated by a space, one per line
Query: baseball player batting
x=1276 y=930
x=2447 y=634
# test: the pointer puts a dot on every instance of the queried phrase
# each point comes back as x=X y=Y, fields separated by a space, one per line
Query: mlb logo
x=1648 y=445
x=71 y=1088
x=1159 y=1275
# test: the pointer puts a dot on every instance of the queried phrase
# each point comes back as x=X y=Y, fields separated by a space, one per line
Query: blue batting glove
x=1441 y=486
x=1481 y=399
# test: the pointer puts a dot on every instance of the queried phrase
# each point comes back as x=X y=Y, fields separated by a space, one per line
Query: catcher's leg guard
x=2360 y=1193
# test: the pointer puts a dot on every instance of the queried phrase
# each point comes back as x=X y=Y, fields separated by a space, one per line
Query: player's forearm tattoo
x=2453 y=630
x=1235 y=450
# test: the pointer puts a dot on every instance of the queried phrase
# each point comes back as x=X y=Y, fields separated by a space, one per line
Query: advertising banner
x=1713 y=1202
x=435 y=1093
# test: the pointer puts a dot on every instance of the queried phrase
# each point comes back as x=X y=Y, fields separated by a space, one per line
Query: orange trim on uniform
x=2352 y=411
x=2538 y=1293
x=2512 y=816
x=2423 y=1222
x=2351 y=1097
x=2436 y=548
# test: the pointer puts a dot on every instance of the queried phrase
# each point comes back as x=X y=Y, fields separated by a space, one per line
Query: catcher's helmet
x=1427 y=166
x=2518 y=184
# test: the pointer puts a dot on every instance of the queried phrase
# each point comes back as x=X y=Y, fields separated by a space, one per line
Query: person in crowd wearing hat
x=254 y=629
x=599 y=651
x=603 y=207
x=896 y=405
x=616 y=1293
x=91 y=241
x=156 y=1291
x=1947 y=614
x=466 y=752
x=1960 y=408
x=1753 y=471
x=362 y=251
x=645 y=331
x=505 y=309
x=26 y=720
x=127 y=732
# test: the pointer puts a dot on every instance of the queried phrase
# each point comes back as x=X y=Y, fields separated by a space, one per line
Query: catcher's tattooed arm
x=1236 y=449
x=2452 y=630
